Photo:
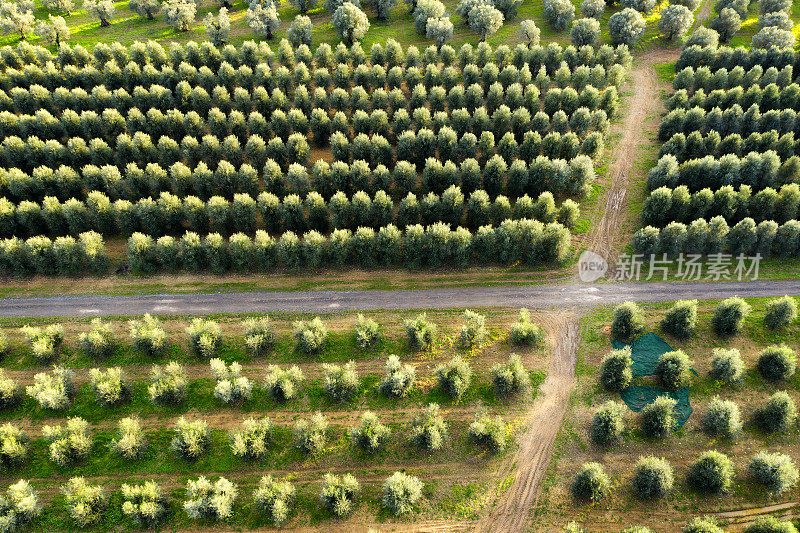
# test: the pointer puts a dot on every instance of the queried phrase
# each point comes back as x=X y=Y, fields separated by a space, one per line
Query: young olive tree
x=85 y=502
x=145 y=8
x=400 y=492
x=559 y=13
x=585 y=32
x=593 y=8
x=350 y=23
x=770 y=36
x=300 y=31
x=180 y=13
x=253 y=440
x=529 y=33
x=258 y=335
x=675 y=22
x=304 y=5
x=218 y=28
x=262 y=18
x=55 y=32
x=485 y=19
x=626 y=26
x=727 y=23
x=440 y=30
x=211 y=501
x=102 y=10
x=59 y=6
x=274 y=498
x=338 y=494
x=19 y=506
x=370 y=434
x=17 y=17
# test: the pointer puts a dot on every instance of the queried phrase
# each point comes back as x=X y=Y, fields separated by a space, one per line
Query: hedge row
x=766 y=99
x=726 y=57
x=696 y=145
x=172 y=215
x=526 y=241
x=691 y=79
x=732 y=120
x=665 y=205
x=64 y=255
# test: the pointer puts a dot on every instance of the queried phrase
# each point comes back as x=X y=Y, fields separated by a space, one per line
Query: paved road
x=533 y=296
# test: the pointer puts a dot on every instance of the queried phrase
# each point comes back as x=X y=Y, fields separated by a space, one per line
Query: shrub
x=310 y=436
x=258 y=335
x=147 y=336
x=770 y=36
x=45 y=343
x=681 y=320
x=53 y=391
x=19 y=506
x=400 y=492
x=85 y=502
x=652 y=478
x=69 y=443
x=253 y=440
x=300 y=31
x=473 y=331
x=341 y=382
x=338 y=494
x=770 y=524
x=367 y=333
x=399 y=378
x=454 y=376
x=420 y=332
x=168 y=384
x=727 y=23
x=590 y=483
x=310 y=336
x=283 y=384
x=712 y=473
x=608 y=423
x=130 y=441
x=510 y=378
x=777 y=363
x=778 y=413
x=98 y=342
x=593 y=8
x=626 y=26
x=627 y=322
x=780 y=313
x=658 y=418
x=722 y=419
x=146 y=504
x=191 y=439
x=211 y=501
x=428 y=430
x=615 y=370
x=559 y=13
x=674 y=370
x=727 y=366
x=109 y=386
x=231 y=387
x=205 y=337
x=525 y=332
x=274 y=498
x=702 y=525
x=775 y=471
x=10 y=392
x=489 y=432
x=370 y=435
x=13 y=446
x=585 y=31
x=729 y=316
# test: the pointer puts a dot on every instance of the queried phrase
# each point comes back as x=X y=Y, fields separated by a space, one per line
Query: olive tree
x=55 y=32
x=675 y=21
x=440 y=30
x=102 y=10
x=304 y=5
x=145 y=8
x=585 y=31
x=218 y=27
x=626 y=26
x=485 y=19
x=300 y=31
x=17 y=17
x=727 y=23
x=770 y=36
x=350 y=23
x=262 y=18
x=59 y=6
x=593 y=8
x=180 y=13
x=529 y=32
x=559 y=13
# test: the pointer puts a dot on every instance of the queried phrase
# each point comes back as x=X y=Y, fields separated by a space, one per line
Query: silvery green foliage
x=712 y=473
x=85 y=502
x=168 y=384
x=350 y=22
x=727 y=24
x=440 y=30
x=615 y=370
x=593 y=8
x=420 y=332
x=652 y=478
x=673 y=370
x=626 y=26
x=258 y=335
x=10 y=391
x=191 y=439
x=773 y=6
x=332 y=5
x=370 y=434
x=60 y=6
x=310 y=436
x=779 y=19
x=217 y=28
x=627 y=321
x=13 y=446
x=211 y=501
x=585 y=32
x=231 y=386
x=473 y=331
x=45 y=342
x=367 y=332
x=274 y=498
x=400 y=492
x=658 y=418
x=341 y=382
x=180 y=13
x=524 y=331
x=147 y=336
x=54 y=32
x=338 y=494
x=706 y=524
x=310 y=336
x=5 y=346
x=145 y=8
x=722 y=418
x=675 y=21
x=780 y=312
x=778 y=413
x=607 y=424
x=510 y=378
x=454 y=376
x=17 y=17
x=777 y=363
x=205 y=337
x=102 y=10
x=508 y=8
x=109 y=386
x=559 y=13
x=729 y=316
x=53 y=391
x=727 y=365
x=465 y=6
x=399 y=378
x=98 y=342
x=304 y=5
x=488 y=431
x=485 y=19
x=283 y=384
x=427 y=9
x=428 y=430
x=642 y=6
x=773 y=36
x=681 y=319
x=300 y=31
x=145 y=504
x=69 y=443
x=590 y=483
x=252 y=441
x=529 y=32
x=385 y=8
x=262 y=17
x=776 y=471
x=18 y=507
x=130 y=441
